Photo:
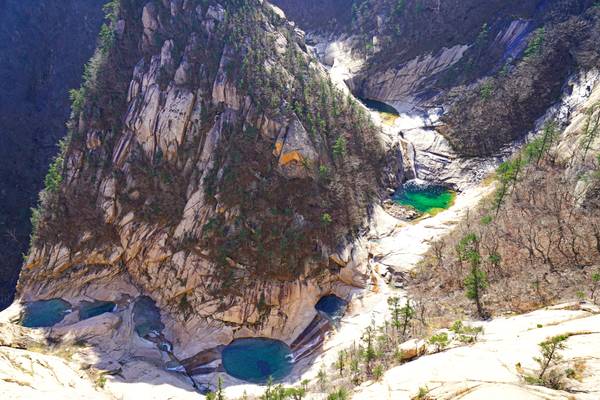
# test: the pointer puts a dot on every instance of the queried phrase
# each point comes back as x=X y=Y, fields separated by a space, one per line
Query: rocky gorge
x=220 y=178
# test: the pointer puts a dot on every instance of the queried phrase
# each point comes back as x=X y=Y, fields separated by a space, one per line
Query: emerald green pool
x=45 y=313
x=425 y=198
x=256 y=359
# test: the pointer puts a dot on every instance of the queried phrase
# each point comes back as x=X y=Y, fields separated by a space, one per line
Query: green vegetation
x=339 y=394
x=217 y=394
x=401 y=316
x=541 y=145
x=595 y=286
x=106 y=41
x=591 y=128
x=281 y=80
x=476 y=281
x=507 y=175
x=340 y=147
x=279 y=392
x=466 y=333
x=423 y=393
x=49 y=196
x=440 y=341
x=101 y=381
x=536 y=42
x=486 y=90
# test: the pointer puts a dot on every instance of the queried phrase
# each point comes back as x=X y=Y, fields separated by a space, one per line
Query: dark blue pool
x=45 y=313
x=89 y=309
x=256 y=359
x=332 y=307
x=146 y=317
x=378 y=106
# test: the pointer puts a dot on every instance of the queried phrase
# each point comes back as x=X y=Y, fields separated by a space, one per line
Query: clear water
x=256 y=359
x=45 y=313
x=88 y=309
x=146 y=317
x=388 y=114
x=332 y=306
x=425 y=198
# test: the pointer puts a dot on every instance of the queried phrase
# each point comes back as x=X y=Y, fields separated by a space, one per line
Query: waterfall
x=413 y=160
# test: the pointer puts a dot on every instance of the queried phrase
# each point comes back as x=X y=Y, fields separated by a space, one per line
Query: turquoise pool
x=45 y=313
x=256 y=359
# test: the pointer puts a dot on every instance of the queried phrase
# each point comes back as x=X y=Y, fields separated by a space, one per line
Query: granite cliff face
x=43 y=47
x=212 y=165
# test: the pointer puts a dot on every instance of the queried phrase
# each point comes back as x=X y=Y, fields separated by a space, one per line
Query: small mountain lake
x=256 y=359
x=45 y=313
x=426 y=198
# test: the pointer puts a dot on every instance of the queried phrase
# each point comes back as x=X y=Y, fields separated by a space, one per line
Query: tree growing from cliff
x=476 y=281
x=540 y=146
x=549 y=357
x=507 y=174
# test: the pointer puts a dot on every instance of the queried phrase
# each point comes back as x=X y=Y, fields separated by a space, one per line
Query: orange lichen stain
x=33 y=264
x=287 y=158
x=278 y=148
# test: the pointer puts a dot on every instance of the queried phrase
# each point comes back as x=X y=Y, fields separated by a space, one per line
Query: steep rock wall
x=213 y=166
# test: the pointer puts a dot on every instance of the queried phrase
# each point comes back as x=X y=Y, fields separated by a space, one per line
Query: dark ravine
x=43 y=47
x=494 y=66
